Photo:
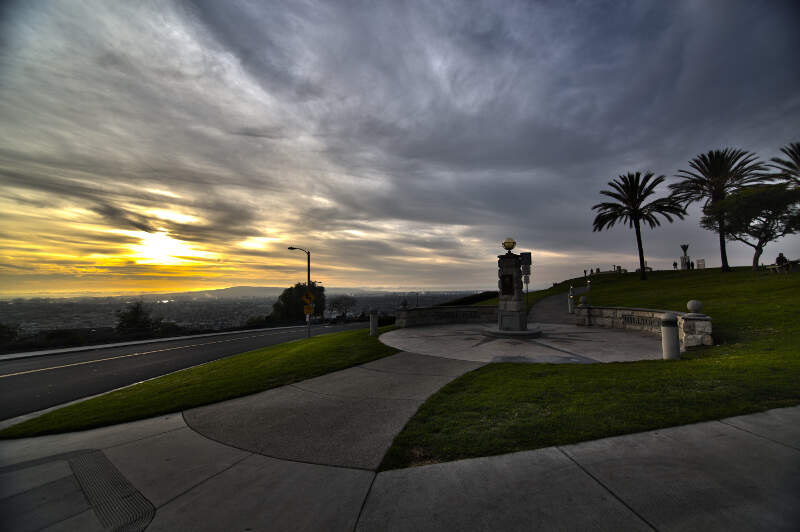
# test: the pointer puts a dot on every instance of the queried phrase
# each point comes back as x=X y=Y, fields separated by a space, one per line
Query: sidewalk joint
x=190 y=488
x=357 y=398
x=364 y=502
x=617 y=497
x=120 y=444
x=758 y=435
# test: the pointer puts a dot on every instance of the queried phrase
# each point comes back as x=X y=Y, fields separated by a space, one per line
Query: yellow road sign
x=308 y=309
x=308 y=297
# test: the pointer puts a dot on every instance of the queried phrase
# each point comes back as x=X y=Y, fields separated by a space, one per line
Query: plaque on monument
x=507 y=285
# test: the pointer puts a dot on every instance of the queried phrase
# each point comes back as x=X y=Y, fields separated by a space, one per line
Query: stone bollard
x=373 y=322
x=571 y=301
x=584 y=302
x=670 y=342
x=695 y=328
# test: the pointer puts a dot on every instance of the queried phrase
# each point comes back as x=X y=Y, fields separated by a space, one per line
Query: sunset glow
x=161 y=249
x=186 y=146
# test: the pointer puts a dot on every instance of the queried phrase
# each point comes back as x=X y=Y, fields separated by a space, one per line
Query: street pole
x=308 y=287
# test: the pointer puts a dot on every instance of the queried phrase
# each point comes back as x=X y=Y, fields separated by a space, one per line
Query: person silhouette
x=780 y=260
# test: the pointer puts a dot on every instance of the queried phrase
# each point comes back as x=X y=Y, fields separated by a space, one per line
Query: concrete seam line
x=625 y=504
x=155 y=434
x=364 y=502
x=564 y=351
x=758 y=435
x=14 y=466
x=357 y=398
x=190 y=488
x=354 y=468
x=403 y=372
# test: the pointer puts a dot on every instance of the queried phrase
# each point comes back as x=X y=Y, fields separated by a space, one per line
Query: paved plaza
x=304 y=457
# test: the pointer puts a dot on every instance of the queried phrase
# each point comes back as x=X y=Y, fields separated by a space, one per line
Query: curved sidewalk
x=303 y=457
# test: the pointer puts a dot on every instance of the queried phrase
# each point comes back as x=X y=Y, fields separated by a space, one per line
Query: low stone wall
x=694 y=330
x=415 y=317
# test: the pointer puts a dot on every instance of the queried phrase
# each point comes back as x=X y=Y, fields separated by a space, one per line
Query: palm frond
x=788 y=168
x=715 y=174
x=630 y=192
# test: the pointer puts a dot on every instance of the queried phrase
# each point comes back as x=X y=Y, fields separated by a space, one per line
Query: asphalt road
x=35 y=383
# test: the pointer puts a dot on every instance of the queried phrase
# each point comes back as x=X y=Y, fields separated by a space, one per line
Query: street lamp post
x=308 y=286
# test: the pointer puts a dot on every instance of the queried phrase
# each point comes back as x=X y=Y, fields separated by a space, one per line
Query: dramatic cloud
x=150 y=146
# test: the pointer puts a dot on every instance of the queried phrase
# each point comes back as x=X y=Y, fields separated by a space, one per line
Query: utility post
x=308 y=297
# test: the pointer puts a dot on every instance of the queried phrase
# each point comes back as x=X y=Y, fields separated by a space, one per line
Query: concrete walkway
x=303 y=457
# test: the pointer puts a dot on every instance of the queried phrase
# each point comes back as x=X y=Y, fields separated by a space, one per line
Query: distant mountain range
x=234 y=292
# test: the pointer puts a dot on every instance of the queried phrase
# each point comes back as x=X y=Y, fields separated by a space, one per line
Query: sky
x=170 y=146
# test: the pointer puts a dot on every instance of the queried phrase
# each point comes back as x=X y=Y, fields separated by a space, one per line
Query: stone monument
x=511 y=312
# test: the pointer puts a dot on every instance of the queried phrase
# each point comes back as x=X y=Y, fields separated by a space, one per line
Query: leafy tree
x=789 y=168
x=341 y=304
x=289 y=306
x=136 y=318
x=715 y=175
x=757 y=215
x=630 y=192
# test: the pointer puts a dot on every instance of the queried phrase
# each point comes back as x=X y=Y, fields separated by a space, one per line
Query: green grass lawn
x=503 y=408
x=532 y=297
x=222 y=379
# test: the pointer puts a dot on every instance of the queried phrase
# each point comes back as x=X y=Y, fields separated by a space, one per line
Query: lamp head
x=509 y=244
x=292 y=247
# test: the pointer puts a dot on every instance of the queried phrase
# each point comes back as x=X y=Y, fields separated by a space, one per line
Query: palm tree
x=789 y=169
x=630 y=192
x=716 y=174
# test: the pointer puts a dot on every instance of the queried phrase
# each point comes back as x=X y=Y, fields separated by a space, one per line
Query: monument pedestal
x=512 y=320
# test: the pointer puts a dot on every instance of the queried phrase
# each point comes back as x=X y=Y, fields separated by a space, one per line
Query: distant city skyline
x=185 y=145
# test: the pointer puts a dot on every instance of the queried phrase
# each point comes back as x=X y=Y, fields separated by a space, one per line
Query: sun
x=160 y=248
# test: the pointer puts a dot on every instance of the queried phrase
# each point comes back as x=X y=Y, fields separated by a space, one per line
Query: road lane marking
x=137 y=354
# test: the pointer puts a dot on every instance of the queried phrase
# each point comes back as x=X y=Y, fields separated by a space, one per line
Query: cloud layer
x=399 y=141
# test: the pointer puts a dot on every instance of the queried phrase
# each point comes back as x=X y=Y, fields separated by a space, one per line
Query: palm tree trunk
x=643 y=275
x=722 y=251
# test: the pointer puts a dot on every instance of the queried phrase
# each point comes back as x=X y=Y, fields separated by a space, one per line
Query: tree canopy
x=290 y=304
x=714 y=175
x=757 y=215
x=136 y=318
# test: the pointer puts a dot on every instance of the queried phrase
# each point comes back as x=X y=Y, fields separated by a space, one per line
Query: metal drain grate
x=117 y=504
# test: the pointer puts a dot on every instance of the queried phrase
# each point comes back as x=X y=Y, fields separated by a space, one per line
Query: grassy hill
x=501 y=408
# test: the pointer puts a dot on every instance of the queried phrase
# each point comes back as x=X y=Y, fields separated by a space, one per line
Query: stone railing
x=694 y=329
x=415 y=317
